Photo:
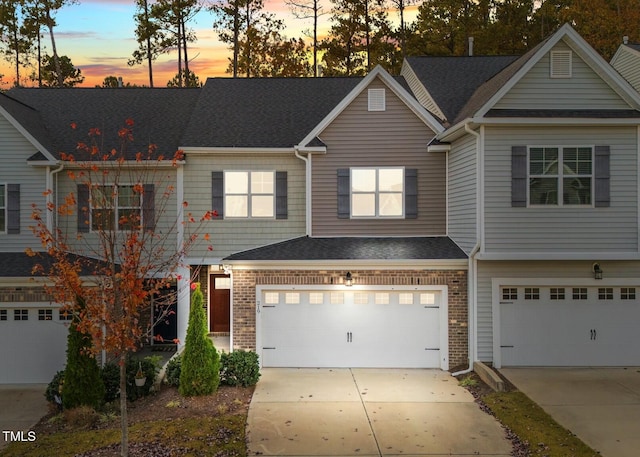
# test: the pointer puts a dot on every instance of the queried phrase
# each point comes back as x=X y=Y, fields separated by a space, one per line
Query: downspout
x=307 y=205
x=473 y=263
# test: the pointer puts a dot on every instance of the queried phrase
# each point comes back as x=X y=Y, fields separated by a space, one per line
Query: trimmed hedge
x=240 y=368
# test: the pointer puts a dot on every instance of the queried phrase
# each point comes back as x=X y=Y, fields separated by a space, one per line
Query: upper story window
x=249 y=194
x=3 y=208
x=377 y=192
x=560 y=175
x=116 y=206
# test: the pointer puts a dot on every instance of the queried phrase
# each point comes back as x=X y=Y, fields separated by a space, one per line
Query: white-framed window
x=3 y=208
x=45 y=314
x=20 y=314
x=316 y=298
x=382 y=298
x=532 y=293
x=116 y=206
x=249 y=194
x=560 y=175
x=556 y=293
x=377 y=192
x=271 y=298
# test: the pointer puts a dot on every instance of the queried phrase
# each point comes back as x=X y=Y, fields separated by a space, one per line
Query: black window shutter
x=217 y=193
x=282 y=200
x=411 y=193
x=602 y=176
x=149 y=207
x=344 y=194
x=519 y=176
x=13 y=209
x=83 y=208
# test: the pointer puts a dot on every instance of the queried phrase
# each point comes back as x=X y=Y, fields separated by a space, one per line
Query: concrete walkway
x=368 y=412
x=600 y=405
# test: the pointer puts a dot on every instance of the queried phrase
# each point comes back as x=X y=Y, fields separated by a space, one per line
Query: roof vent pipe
x=470 y=46
x=625 y=39
x=120 y=83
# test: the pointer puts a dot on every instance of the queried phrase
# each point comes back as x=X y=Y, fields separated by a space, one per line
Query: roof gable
x=486 y=96
x=29 y=123
x=378 y=73
x=435 y=76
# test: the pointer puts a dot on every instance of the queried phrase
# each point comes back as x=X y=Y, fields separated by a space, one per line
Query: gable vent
x=376 y=100
x=561 y=64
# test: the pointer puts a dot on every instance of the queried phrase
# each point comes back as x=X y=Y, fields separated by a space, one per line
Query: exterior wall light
x=348 y=279
x=597 y=271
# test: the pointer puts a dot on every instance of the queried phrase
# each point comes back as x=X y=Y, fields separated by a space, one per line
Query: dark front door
x=220 y=304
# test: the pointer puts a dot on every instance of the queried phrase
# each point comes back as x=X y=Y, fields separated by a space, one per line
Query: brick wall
x=244 y=298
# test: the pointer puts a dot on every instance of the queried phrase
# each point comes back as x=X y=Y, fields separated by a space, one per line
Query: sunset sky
x=99 y=38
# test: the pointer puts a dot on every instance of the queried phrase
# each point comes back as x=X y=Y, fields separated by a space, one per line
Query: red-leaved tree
x=119 y=242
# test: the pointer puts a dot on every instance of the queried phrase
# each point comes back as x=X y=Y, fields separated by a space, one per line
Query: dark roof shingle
x=355 y=248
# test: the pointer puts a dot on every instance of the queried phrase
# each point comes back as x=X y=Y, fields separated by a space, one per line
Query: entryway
x=220 y=304
x=368 y=412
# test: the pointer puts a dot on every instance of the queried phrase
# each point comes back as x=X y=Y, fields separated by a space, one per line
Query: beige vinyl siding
x=15 y=150
x=166 y=208
x=628 y=65
x=391 y=138
x=234 y=235
x=463 y=190
x=419 y=91
x=584 y=90
x=561 y=228
x=538 y=269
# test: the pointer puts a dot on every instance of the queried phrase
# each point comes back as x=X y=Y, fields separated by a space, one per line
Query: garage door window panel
x=3 y=208
x=428 y=298
x=405 y=298
x=557 y=293
x=64 y=315
x=580 y=293
x=3 y=314
x=509 y=293
x=605 y=293
x=337 y=298
x=382 y=298
x=628 y=293
x=292 y=298
x=361 y=298
x=45 y=314
x=532 y=293
x=20 y=314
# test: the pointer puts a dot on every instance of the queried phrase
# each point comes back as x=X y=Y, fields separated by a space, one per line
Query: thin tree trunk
x=315 y=38
x=124 y=426
x=236 y=37
x=149 y=57
x=248 y=52
x=186 y=57
x=56 y=59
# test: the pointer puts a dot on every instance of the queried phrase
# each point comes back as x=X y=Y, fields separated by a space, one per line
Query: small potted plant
x=140 y=378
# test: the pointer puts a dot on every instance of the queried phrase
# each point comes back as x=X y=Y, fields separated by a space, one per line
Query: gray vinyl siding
x=628 y=65
x=234 y=235
x=419 y=91
x=538 y=269
x=561 y=228
x=392 y=138
x=166 y=210
x=584 y=90
x=15 y=150
x=463 y=193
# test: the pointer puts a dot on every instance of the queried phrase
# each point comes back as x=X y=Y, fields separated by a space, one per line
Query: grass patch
x=201 y=436
x=535 y=427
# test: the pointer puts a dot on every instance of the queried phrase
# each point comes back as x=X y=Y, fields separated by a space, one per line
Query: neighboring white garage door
x=34 y=344
x=353 y=328
x=569 y=326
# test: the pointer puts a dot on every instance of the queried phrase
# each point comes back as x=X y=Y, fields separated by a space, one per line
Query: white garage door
x=34 y=344
x=354 y=328
x=570 y=326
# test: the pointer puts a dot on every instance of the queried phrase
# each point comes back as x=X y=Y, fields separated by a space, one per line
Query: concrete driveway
x=600 y=405
x=368 y=412
x=21 y=407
